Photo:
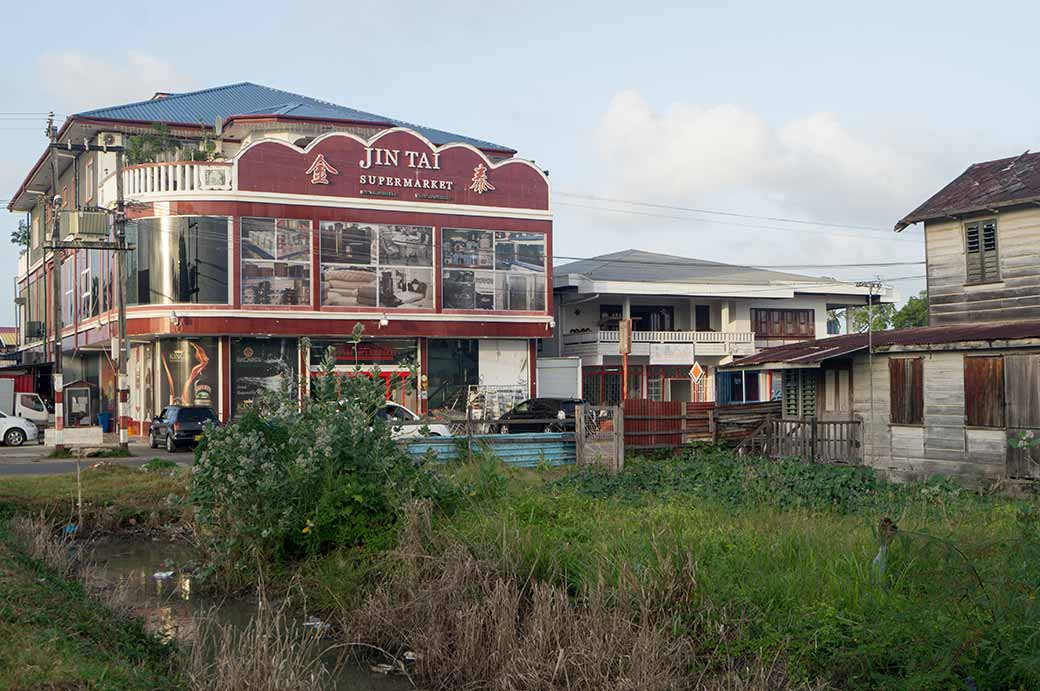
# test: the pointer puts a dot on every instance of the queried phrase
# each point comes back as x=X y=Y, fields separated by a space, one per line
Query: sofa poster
x=258 y=364
x=188 y=372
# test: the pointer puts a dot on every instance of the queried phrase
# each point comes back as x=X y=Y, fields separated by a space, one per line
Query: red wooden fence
x=665 y=424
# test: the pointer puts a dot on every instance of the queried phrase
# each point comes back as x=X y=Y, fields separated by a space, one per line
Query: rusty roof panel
x=810 y=353
x=986 y=185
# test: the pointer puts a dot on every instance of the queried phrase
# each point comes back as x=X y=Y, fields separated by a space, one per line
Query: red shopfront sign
x=395 y=165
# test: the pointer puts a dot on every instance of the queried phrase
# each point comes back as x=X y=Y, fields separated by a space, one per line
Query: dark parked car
x=551 y=409
x=180 y=426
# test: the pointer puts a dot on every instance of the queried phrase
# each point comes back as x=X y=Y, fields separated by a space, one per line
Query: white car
x=15 y=431
x=394 y=413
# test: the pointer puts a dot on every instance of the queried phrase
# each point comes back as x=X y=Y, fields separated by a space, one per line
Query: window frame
x=787 y=324
x=276 y=260
x=89 y=181
x=979 y=227
x=911 y=412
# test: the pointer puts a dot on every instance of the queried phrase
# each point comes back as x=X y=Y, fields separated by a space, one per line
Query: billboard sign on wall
x=188 y=372
x=259 y=364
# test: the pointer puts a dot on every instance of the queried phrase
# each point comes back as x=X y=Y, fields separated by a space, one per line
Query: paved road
x=31 y=459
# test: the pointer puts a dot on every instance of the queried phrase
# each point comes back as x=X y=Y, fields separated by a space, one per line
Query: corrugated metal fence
x=519 y=450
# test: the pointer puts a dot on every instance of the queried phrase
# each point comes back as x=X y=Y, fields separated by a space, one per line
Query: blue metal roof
x=205 y=106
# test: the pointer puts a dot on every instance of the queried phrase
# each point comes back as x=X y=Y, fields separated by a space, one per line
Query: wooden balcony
x=663 y=347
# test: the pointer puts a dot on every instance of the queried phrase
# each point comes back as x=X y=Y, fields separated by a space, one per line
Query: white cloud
x=812 y=166
x=79 y=81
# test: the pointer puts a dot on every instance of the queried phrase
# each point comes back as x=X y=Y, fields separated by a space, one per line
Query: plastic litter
x=70 y=528
x=317 y=624
x=162 y=575
x=382 y=668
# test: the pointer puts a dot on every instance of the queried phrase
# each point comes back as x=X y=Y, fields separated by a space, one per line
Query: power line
x=829 y=233
x=694 y=262
x=688 y=209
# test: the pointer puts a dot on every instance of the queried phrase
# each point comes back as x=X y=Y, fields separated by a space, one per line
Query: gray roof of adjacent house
x=650 y=267
x=246 y=99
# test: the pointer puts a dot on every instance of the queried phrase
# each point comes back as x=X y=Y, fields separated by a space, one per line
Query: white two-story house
x=685 y=312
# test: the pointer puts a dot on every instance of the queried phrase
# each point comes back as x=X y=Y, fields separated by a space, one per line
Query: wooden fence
x=670 y=424
x=734 y=424
x=665 y=424
x=815 y=441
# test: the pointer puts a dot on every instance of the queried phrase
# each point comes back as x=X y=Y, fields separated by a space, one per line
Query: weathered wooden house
x=947 y=398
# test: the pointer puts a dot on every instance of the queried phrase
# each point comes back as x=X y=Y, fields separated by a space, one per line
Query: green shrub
x=281 y=482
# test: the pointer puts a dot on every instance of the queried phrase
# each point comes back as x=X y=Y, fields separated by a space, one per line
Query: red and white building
x=305 y=220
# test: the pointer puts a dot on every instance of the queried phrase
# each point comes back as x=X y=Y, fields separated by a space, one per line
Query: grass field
x=705 y=571
x=55 y=637
x=772 y=568
x=112 y=496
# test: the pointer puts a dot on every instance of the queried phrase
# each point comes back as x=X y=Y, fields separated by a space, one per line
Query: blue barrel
x=104 y=420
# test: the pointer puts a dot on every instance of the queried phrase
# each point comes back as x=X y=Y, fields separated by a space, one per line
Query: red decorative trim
x=424 y=369
x=225 y=378
x=245 y=326
x=532 y=366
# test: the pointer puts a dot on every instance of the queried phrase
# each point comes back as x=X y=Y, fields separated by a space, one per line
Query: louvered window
x=982 y=259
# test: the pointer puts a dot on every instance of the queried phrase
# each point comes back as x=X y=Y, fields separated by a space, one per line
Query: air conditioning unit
x=110 y=139
x=33 y=330
x=91 y=225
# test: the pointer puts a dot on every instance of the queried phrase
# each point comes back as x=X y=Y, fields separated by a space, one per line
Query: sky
x=847 y=115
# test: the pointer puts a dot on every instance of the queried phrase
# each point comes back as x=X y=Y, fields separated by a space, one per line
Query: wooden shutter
x=990 y=256
x=972 y=253
x=1022 y=407
x=792 y=389
x=906 y=391
x=806 y=323
x=984 y=391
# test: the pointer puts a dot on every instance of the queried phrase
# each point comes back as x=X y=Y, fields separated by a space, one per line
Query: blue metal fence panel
x=518 y=450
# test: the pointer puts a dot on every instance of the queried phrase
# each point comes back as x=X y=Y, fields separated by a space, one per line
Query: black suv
x=180 y=426
x=561 y=409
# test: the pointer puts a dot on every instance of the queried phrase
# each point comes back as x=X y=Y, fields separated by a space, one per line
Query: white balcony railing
x=661 y=337
x=186 y=176
x=168 y=178
x=599 y=343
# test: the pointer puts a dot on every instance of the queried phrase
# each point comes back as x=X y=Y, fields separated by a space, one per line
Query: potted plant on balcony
x=159 y=146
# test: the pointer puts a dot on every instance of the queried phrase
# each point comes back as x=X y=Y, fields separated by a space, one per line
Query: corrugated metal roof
x=205 y=106
x=651 y=267
x=809 y=353
x=989 y=184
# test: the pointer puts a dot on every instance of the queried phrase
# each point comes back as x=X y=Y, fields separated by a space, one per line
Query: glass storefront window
x=178 y=259
x=453 y=366
x=493 y=270
x=367 y=265
x=388 y=353
x=259 y=364
x=276 y=261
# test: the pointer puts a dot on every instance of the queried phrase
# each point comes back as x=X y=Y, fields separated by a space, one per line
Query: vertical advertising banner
x=258 y=364
x=188 y=372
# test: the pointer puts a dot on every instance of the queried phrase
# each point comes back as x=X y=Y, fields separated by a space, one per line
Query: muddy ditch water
x=163 y=594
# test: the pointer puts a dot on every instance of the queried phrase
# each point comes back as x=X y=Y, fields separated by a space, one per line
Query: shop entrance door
x=680 y=390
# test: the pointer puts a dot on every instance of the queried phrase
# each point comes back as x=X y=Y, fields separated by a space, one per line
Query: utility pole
x=123 y=380
x=58 y=248
x=873 y=285
x=56 y=256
